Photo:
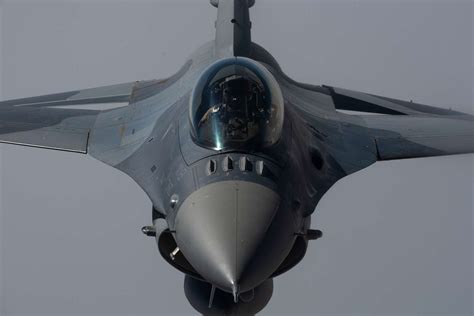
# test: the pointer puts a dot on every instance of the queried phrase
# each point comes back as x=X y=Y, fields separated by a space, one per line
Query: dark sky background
x=397 y=236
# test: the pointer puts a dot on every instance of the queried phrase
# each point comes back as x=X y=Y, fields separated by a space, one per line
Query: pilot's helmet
x=236 y=103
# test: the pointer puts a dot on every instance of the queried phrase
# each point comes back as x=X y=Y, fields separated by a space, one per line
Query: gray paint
x=47 y=122
x=232 y=28
x=224 y=219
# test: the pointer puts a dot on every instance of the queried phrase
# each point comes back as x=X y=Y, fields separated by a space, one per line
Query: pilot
x=236 y=105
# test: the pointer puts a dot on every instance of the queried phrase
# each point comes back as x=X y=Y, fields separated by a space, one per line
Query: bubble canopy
x=236 y=103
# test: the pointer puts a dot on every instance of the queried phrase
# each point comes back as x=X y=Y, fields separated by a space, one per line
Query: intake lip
x=221 y=227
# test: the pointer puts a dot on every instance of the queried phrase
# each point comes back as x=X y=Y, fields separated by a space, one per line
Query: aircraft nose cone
x=219 y=229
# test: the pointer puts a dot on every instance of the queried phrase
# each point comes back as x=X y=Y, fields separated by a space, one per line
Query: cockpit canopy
x=236 y=103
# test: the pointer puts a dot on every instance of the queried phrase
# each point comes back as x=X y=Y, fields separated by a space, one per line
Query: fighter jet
x=234 y=155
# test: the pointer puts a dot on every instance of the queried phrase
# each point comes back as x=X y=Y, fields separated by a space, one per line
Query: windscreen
x=236 y=103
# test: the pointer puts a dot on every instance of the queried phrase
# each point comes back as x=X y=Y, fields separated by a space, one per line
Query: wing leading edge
x=400 y=137
x=409 y=130
x=345 y=99
x=53 y=121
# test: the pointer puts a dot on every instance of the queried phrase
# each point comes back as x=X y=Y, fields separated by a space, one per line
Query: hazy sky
x=397 y=236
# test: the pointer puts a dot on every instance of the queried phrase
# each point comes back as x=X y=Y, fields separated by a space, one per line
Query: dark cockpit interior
x=236 y=103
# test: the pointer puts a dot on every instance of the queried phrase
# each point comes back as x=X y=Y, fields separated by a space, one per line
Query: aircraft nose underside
x=222 y=227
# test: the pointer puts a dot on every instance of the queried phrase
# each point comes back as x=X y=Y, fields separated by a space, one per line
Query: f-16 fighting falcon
x=234 y=155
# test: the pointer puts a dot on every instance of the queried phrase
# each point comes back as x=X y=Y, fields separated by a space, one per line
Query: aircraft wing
x=399 y=137
x=407 y=129
x=54 y=121
x=364 y=102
